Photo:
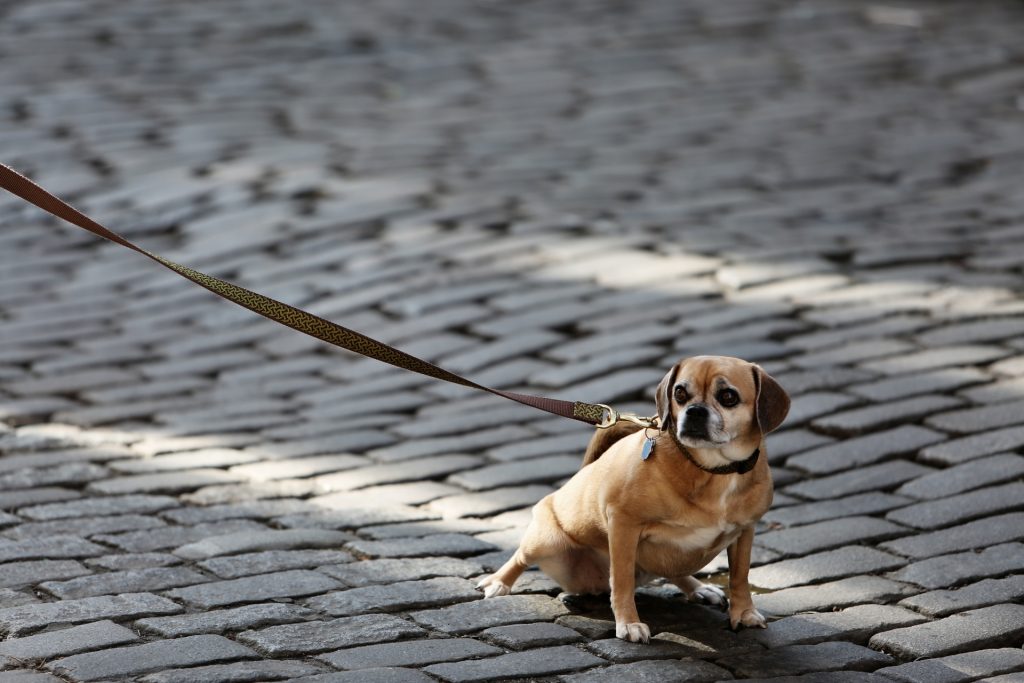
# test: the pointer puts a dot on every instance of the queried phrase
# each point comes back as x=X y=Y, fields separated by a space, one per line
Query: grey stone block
x=474 y=616
x=828 y=534
x=976 y=629
x=25 y=619
x=353 y=517
x=621 y=652
x=518 y=472
x=523 y=636
x=855 y=624
x=818 y=511
x=388 y=674
x=50 y=547
x=981 y=418
x=321 y=636
x=271 y=539
x=954 y=569
x=370 y=572
x=163 y=654
x=407 y=470
x=831 y=564
x=864 y=450
x=134 y=581
x=166 y=482
x=656 y=671
x=968 y=666
x=539 y=662
x=882 y=476
x=204 y=457
x=945 y=511
x=439 y=544
x=67 y=641
x=935 y=381
x=395 y=596
x=491 y=502
x=248 y=564
x=235 y=672
x=18 y=574
x=930 y=359
x=256 y=588
x=942 y=603
x=409 y=653
x=113 y=505
x=834 y=594
x=85 y=527
x=860 y=420
x=800 y=659
x=220 y=621
x=956 y=451
x=981 y=533
x=993 y=469
x=174 y=536
x=806 y=407
x=133 y=561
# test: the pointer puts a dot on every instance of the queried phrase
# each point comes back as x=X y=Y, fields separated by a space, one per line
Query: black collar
x=735 y=467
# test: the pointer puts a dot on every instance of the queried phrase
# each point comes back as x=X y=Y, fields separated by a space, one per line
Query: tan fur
x=621 y=519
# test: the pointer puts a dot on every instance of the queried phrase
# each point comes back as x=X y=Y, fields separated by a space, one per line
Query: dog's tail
x=604 y=438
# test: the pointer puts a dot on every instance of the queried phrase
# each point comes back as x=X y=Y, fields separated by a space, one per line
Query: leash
x=597 y=414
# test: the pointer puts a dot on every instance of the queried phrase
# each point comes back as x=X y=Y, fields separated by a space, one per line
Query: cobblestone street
x=555 y=198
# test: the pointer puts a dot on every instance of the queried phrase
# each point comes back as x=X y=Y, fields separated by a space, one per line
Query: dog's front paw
x=492 y=587
x=635 y=632
x=749 y=617
x=711 y=595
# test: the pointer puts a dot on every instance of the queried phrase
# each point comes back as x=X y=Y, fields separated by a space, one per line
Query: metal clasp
x=614 y=416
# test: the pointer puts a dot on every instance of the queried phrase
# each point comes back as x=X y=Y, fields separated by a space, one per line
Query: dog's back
x=604 y=438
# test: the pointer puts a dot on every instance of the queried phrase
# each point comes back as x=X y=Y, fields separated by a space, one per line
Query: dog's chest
x=692 y=538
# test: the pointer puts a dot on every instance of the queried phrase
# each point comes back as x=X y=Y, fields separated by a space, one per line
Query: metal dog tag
x=648 y=448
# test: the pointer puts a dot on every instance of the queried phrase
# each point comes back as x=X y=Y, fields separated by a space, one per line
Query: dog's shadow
x=662 y=607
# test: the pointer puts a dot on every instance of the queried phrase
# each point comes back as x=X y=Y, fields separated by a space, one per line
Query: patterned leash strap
x=296 y=318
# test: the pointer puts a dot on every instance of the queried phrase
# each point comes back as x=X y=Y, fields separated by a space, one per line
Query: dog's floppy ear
x=772 y=401
x=663 y=395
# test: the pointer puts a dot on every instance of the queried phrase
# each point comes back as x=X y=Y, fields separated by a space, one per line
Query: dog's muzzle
x=695 y=422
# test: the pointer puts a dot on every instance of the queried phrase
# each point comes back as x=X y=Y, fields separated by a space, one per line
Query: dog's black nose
x=697 y=412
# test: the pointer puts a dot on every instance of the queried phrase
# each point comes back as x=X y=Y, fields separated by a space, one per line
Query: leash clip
x=614 y=416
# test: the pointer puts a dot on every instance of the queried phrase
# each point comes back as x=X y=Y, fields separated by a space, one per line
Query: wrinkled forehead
x=714 y=372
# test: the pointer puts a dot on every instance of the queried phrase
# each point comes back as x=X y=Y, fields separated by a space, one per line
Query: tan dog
x=702 y=488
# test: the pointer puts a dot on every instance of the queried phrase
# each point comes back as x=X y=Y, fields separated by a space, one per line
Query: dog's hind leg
x=697 y=591
x=543 y=539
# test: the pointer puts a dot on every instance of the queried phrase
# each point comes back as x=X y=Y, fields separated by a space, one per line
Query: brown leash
x=297 y=319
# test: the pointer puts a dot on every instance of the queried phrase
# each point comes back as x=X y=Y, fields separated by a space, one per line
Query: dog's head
x=710 y=402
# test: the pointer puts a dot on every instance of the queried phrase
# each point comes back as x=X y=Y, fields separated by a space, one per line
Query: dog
x=665 y=501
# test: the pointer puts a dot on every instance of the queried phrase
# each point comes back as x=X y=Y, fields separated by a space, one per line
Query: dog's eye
x=681 y=395
x=728 y=397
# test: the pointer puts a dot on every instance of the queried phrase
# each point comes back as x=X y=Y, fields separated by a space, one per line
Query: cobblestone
x=286 y=584
x=320 y=636
x=798 y=659
x=942 y=603
x=956 y=668
x=135 y=580
x=949 y=570
x=410 y=653
x=833 y=594
x=539 y=662
x=478 y=615
x=68 y=641
x=22 y=620
x=219 y=621
x=154 y=656
x=855 y=624
x=976 y=629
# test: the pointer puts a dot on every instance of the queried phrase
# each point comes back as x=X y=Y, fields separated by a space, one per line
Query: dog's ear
x=772 y=401
x=663 y=395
